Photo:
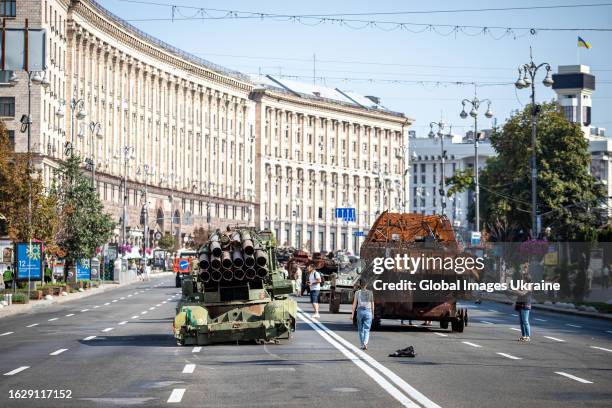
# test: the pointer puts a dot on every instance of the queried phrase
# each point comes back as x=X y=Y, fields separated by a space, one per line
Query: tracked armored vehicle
x=236 y=293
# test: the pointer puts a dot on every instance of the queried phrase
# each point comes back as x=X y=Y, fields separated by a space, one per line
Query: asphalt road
x=134 y=361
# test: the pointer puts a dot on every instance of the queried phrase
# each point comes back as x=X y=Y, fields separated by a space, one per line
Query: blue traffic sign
x=83 y=271
x=346 y=214
x=183 y=264
x=29 y=261
x=359 y=233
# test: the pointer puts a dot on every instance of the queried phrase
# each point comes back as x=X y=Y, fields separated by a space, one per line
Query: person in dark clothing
x=305 y=287
x=523 y=306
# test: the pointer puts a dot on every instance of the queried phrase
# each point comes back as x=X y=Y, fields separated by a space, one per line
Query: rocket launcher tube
x=247 y=246
x=215 y=248
x=237 y=259
x=262 y=272
x=204 y=261
x=227 y=274
x=261 y=257
x=205 y=276
x=216 y=275
x=215 y=262
x=239 y=274
x=249 y=261
x=226 y=260
x=250 y=273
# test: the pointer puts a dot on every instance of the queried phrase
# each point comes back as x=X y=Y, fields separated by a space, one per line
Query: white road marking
x=514 y=328
x=114 y=301
x=609 y=331
x=188 y=369
x=17 y=370
x=493 y=310
x=176 y=395
x=555 y=339
x=6 y=333
x=84 y=310
x=107 y=329
x=96 y=306
x=32 y=325
x=129 y=296
x=56 y=352
x=164 y=302
x=510 y=356
x=471 y=344
x=145 y=312
x=573 y=377
x=601 y=348
x=574 y=325
x=353 y=354
x=514 y=314
x=441 y=334
x=158 y=305
x=122 y=297
x=122 y=323
x=196 y=349
x=486 y=322
x=540 y=320
x=70 y=314
x=135 y=317
x=52 y=319
x=281 y=369
x=89 y=338
x=107 y=303
x=152 y=307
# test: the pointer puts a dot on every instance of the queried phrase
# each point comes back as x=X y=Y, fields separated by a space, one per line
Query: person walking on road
x=605 y=278
x=523 y=306
x=297 y=276
x=314 y=283
x=363 y=305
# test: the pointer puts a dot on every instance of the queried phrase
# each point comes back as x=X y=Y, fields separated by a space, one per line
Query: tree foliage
x=567 y=193
x=200 y=237
x=167 y=242
x=16 y=180
x=84 y=226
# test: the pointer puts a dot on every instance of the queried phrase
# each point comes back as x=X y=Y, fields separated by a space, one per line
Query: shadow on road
x=139 y=340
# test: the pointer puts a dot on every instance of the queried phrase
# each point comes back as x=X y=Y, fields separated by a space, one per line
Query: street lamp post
x=76 y=105
x=146 y=171
x=126 y=154
x=475 y=103
x=526 y=78
x=379 y=175
x=94 y=128
x=440 y=126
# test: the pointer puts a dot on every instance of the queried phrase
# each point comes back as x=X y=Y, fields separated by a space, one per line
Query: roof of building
x=320 y=93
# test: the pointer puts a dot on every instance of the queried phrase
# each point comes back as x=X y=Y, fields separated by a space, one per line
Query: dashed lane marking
x=486 y=322
x=70 y=314
x=510 y=356
x=145 y=312
x=53 y=319
x=176 y=395
x=164 y=302
x=573 y=377
x=96 y=306
x=89 y=338
x=152 y=307
x=107 y=303
x=114 y=301
x=123 y=322
x=196 y=349
x=129 y=296
x=472 y=344
x=514 y=314
x=441 y=334
x=32 y=325
x=514 y=328
x=158 y=305
x=281 y=369
x=601 y=348
x=6 y=333
x=107 y=329
x=84 y=310
x=574 y=325
x=57 y=352
x=122 y=298
x=540 y=320
x=189 y=368
x=493 y=310
x=17 y=370
x=134 y=317
x=555 y=339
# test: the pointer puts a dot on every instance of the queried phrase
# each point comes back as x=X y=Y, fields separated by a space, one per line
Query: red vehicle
x=182 y=264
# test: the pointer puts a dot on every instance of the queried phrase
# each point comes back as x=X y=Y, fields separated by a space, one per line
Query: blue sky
x=287 y=48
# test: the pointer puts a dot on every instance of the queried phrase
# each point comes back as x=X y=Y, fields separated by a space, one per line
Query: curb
x=16 y=309
x=558 y=310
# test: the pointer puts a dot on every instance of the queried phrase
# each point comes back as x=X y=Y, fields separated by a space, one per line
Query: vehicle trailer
x=431 y=238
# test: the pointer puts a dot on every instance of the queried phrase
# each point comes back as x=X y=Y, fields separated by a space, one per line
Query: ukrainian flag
x=582 y=43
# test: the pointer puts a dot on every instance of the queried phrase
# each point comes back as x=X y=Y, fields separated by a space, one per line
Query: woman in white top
x=363 y=304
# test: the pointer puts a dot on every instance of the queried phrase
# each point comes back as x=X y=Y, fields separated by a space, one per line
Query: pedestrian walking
x=305 y=287
x=314 y=283
x=605 y=277
x=523 y=306
x=363 y=305
x=147 y=270
x=298 y=280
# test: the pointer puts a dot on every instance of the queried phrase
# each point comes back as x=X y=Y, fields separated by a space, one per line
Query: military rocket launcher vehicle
x=236 y=293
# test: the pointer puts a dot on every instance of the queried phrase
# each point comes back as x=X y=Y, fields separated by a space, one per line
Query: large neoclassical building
x=210 y=146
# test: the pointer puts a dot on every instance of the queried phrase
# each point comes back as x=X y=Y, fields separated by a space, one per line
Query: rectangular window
x=8 y=8
x=7 y=106
x=11 y=140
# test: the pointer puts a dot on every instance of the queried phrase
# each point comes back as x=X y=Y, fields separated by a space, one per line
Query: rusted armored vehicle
x=430 y=241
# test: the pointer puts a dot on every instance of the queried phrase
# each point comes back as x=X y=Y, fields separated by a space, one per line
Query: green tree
x=167 y=242
x=17 y=179
x=84 y=225
x=568 y=194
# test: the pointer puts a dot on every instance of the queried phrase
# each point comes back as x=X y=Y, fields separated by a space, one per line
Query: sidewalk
x=499 y=298
x=35 y=305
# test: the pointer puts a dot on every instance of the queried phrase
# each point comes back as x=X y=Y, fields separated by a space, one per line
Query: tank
x=416 y=235
x=236 y=292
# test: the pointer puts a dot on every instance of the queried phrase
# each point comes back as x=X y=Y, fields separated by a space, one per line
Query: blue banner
x=83 y=271
x=29 y=261
x=346 y=214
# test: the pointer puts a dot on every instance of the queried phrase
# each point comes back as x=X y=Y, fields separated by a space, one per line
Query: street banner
x=23 y=49
x=29 y=261
x=83 y=271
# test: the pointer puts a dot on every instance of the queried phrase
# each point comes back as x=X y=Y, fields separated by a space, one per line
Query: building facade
x=319 y=149
x=426 y=174
x=145 y=113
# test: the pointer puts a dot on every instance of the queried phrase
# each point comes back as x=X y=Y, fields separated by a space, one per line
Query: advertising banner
x=29 y=261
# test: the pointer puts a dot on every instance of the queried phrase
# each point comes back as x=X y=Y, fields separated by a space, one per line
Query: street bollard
x=9 y=298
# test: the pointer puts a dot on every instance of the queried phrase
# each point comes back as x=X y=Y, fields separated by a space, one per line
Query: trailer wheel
x=178 y=281
x=457 y=324
x=444 y=323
